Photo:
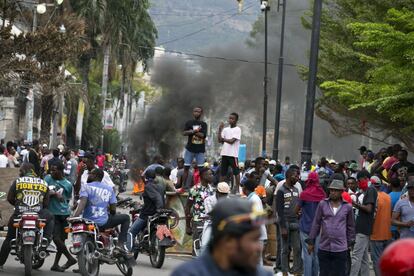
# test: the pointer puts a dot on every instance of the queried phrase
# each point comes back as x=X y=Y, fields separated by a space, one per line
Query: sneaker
x=51 y=248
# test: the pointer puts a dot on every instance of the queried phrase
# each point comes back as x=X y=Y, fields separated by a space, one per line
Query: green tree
x=365 y=68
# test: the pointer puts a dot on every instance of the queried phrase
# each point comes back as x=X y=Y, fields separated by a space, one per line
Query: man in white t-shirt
x=230 y=138
x=4 y=161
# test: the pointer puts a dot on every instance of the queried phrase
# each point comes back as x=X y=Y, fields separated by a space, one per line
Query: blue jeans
x=310 y=262
x=377 y=247
x=190 y=156
x=135 y=229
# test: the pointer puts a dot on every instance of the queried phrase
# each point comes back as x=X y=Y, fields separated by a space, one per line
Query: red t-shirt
x=100 y=161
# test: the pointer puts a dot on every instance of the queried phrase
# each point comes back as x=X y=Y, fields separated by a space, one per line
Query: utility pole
x=279 y=82
x=107 y=52
x=265 y=8
x=313 y=70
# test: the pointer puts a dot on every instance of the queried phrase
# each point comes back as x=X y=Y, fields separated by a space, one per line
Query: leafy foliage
x=366 y=68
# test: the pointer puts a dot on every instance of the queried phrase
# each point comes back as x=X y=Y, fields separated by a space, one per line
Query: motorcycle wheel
x=124 y=266
x=87 y=265
x=38 y=263
x=27 y=258
x=157 y=253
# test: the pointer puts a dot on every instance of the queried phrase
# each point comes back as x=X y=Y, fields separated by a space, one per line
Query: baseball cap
x=353 y=166
x=81 y=153
x=44 y=145
x=375 y=180
x=336 y=184
x=272 y=162
x=235 y=216
x=223 y=187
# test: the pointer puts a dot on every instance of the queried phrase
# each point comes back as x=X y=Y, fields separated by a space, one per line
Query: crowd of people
x=330 y=217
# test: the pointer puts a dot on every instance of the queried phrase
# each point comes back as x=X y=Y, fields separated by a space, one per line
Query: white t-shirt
x=258 y=206
x=106 y=179
x=173 y=176
x=4 y=161
x=231 y=150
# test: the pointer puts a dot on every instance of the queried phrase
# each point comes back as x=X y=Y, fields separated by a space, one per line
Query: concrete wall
x=7 y=176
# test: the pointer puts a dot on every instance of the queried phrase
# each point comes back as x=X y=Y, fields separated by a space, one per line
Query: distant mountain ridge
x=178 y=19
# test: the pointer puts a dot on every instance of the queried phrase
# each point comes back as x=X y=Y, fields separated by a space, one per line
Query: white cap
x=272 y=162
x=44 y=145
x=223 y=187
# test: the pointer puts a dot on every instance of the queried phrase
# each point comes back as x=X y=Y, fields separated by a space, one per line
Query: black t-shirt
x=28 y=193
x=365 y=221
x=196 y=144
x=402 y=168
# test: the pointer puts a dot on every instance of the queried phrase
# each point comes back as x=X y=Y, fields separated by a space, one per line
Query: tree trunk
x=122 y=93
x=107 y=55
x=46 y=120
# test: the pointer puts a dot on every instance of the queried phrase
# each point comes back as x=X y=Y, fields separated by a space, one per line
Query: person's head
x=56 y=153
x=35 y=145
x=233 y=119
x=362 y=149
x=254 y=176
x=307 y=165
x=410 y=189
x=353 y=167
x=287 y=160
x=159 y=171
x=363 y=179
x=336 y=188
x=12 y=150
x=351 y=183
x=323 y=162
x=370 y=156
x=376 y=182
x=272 y=166
x=259 y=162
x=56 y=170
x=96 y=175
x=197 y=112
x=291 y=175
x=278 y=168
x=395 y=149
x=89 y=160
x=395 y=184
x=249 y=186
x=166 y=172
x=26 y=168
x=180 y=162
x=206 y=176
x=158 y=160
x=67 y=155
x=2 y=149
x=236 y=233
x=402 y=155
x=223 y=190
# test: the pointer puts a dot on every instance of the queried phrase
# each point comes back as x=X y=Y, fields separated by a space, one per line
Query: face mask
x=363 y=184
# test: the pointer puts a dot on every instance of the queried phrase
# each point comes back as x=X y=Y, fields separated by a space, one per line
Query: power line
x=204 y=28
x=195 y=55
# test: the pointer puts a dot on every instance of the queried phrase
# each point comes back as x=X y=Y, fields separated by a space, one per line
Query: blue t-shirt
x=57 y=206
x=406 y=210
x=395 y=196
x=100 y=196
x=308 y=213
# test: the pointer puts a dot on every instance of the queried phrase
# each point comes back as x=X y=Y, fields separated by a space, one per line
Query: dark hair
x=278 y=168
x=66 y=153
x=56 y=153
x=250 y=185
x=291 y=170
x=258 y=159
x=296 y=167
x=1 y=149
x=351 y=178
x=395 y=182
x=203 y=171
x=363 y=174
x=59 y=165
x=26 y=168
x=89 y=155
x=166 y=172
x=404 y=151
x=235 y=115
x=159 y=171
x=35 y=142
x=99 y=174
x=396 y=148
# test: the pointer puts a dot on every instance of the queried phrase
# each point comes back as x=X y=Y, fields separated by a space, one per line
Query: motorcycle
x=156 y=237
x=94 y=247
x=29 y=246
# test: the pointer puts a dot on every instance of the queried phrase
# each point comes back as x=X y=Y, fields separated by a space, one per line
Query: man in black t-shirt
x=196 y=130
x=364 y=224
x=403 y=167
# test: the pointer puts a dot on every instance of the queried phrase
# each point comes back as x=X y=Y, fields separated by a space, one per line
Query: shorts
x=59 y=229
x=190 y=156
x=229 y=161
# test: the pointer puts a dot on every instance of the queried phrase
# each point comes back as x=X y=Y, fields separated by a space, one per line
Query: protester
x=308 y=202
x=60 y=196
x=196 y=130
x=403 y=213
x=286 y=201
x=364 y=224
x=4 y=161
x=195 y=208
x=180 y=176
x=249 y=190
x=70 y=166
x=395 y=195
x=230 y=138
x=402 y=168
x=334 y=222
x=262 y=172
x=13 y=158
x=235 y=247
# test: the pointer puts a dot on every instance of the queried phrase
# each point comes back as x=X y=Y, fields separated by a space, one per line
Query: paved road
x=143 y=267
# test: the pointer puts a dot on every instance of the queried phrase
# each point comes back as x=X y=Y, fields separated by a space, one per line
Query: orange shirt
x=381 y=230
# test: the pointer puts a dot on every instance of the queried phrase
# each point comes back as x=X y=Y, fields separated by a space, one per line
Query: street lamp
x=279 y=83
x=306 y=154
x=264 y=6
